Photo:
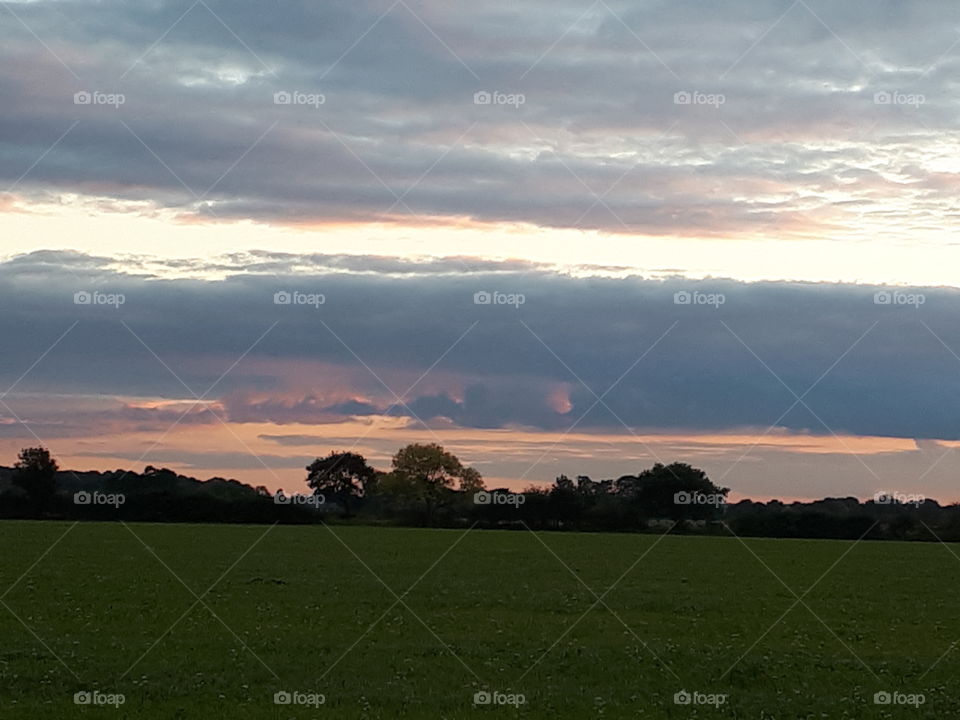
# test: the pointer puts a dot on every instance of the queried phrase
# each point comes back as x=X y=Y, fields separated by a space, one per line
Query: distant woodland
x=428 y=486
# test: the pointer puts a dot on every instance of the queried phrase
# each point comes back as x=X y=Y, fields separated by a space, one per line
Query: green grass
x=498 y=609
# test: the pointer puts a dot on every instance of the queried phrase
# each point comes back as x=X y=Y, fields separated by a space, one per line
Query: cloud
x=208 y=460
x=798 y=145
x=601 y=352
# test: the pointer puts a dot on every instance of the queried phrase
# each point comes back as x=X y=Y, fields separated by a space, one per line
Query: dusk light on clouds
x=397 y=158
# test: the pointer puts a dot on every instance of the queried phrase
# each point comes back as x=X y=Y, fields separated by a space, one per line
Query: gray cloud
x=859 y=367
x=799 y=126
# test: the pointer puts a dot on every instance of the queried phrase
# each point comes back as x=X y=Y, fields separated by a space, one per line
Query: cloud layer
x=799 y=146
x=389 y=340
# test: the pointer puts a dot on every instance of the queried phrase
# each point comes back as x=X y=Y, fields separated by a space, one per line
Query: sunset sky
x=789 y=167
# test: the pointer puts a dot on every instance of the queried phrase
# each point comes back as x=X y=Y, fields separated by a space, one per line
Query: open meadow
x=207 y=621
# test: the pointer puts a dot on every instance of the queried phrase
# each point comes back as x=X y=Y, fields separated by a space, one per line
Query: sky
x=713 y=233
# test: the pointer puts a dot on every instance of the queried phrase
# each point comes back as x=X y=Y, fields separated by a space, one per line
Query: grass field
x=290 y=609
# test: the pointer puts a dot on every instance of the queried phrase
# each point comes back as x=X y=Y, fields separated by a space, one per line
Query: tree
x=36 y=473
x=676 y=491
x=471 y=481
x=565 y=502
x=587 y=487
x=342 y=476
x=429 y=471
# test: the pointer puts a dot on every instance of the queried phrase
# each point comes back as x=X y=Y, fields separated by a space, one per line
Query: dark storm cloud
x=199 y=130
x=859 y=367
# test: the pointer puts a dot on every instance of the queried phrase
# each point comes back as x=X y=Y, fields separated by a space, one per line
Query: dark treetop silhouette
x=427 y=485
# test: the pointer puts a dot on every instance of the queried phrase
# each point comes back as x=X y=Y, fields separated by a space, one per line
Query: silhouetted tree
x=565 y=502
x=428 y=472
x=36 y=473
x=343 y=476
x=676 y=491
x=471 y=480
x=420 y=489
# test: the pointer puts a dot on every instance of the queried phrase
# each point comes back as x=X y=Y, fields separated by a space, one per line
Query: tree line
x=428 y=486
